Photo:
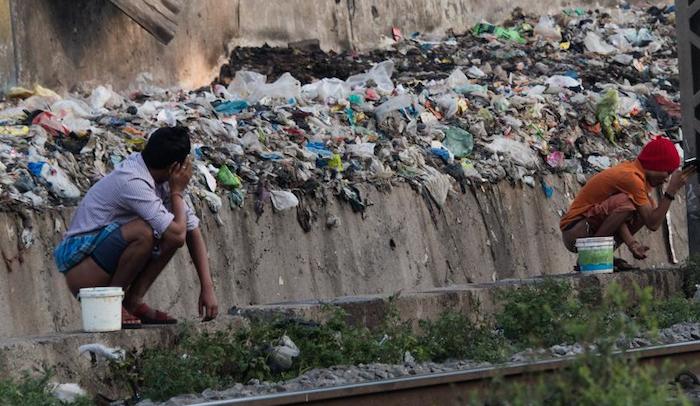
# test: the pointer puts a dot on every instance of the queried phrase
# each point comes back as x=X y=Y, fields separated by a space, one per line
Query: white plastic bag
x=380 y=74
x=70 y=107
x=104 y=97
x=286 y=87
x=59 y=183
x=562 y=81
x=547 y=29
x=208 y=177
x=250 y=142
x=475 y=72
x=362 y=150
x=283 y=200
x=519 y=152
x=596 y=44
x=448 y=104
x=245 y=83
x=167 y=117
x=326 y=89
x=457 y=78
x=396 y=103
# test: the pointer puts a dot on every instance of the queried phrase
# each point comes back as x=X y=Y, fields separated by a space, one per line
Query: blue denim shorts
x=107 y=253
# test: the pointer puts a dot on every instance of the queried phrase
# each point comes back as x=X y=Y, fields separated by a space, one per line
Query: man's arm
x=654 y=218
x=180 y=176
x=207 y=306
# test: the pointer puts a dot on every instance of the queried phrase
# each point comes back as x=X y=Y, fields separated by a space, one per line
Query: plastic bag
x=77 y=108
x=556 y=159
x=210 y=181
x=326 y=90
x=231 y=107
x=629 y=106
x=519 y=152
x=335 y=163
x=475 y=72
x=458 y=141
x=283 y=200
x=76 y=125
x=318 y=149
x=470 y=88
x=563 y=81
x=438 y=185
x=457 y=78
x=102 y=97
x=286 y=87
x=57 y=180
x=245 y=83
x=213 y=129
x=213 y=201
x=396 y=103
x=50 y=123
x=380 y=74
x=640 y=38
x=362 y=150
x=606 y=113
x=449 y=104
x=499 y=32
x=547 y=29
x=228 y=178
x=250 y=142
x=167 y=117
x=596 y=44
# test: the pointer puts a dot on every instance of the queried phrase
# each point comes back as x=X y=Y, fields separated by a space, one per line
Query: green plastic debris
x=335 y=163
x=574 y=12
x=500 y=32
x=458 y=141
x=228 y=178
x=356 y=99
x=606 y=113
x=471 y=88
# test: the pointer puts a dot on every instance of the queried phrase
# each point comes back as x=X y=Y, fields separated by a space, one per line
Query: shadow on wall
x=80 y=25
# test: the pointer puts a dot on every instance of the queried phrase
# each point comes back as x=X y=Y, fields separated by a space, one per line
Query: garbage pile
x=575 y=92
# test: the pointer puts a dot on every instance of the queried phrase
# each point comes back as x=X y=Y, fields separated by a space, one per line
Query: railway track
x=456 y=388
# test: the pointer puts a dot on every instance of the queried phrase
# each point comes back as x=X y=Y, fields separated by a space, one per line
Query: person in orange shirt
x=617 y=202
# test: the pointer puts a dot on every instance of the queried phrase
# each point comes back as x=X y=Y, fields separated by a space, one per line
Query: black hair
x=165 y=146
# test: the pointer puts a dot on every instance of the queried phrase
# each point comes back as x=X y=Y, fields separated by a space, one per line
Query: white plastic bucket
x=101 y=308
x=595 y=254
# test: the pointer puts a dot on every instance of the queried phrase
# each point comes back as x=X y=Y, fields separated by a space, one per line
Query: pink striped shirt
x=126 y=194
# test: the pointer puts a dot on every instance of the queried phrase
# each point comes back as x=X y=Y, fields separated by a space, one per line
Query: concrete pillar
x=688 y=32
x=8 y=68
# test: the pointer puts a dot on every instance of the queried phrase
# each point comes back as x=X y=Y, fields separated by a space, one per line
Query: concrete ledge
x=60 y=351
x=479 y=300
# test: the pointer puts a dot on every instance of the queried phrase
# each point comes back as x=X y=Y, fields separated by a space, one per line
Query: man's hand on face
x=180 y=175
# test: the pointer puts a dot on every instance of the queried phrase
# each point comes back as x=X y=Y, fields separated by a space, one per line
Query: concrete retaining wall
x=63 y=43
x=494 y=232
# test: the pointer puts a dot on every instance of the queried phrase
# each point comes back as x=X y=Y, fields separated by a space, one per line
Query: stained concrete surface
x=490 y=233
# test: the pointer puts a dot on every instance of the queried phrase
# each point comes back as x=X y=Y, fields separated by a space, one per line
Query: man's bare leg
x=139 y=235
x=143 y=282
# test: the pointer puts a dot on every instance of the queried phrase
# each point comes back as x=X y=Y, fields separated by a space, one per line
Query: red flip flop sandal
x=129 y=321
x=143 y=311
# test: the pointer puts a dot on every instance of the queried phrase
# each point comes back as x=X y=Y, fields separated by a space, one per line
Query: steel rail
x=447 y=388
